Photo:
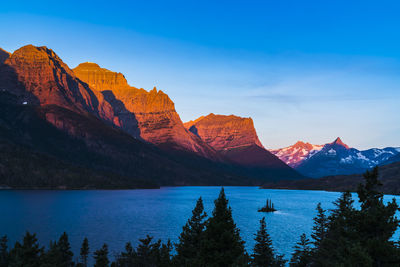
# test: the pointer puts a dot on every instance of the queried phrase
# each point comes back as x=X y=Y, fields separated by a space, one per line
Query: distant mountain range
x=88 y=128
x=335 y=158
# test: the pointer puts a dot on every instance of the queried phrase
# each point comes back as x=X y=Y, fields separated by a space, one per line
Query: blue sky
x=303 y=70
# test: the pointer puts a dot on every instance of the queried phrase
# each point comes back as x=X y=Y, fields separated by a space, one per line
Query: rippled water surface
x=118 y=216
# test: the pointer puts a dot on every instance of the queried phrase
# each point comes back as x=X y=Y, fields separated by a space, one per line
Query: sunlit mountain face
x=334 y=158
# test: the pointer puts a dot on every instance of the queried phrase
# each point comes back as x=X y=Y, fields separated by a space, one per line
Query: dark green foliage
x=340 y=244
x=65 y=251
x=101 y=257
x=147 y=254
x=84 y=254
x=301 y=256
x=189 y=245
x=144 y=252
x=320 y=227
x=377 y=222
x=222 y=244
x=4 y=254
x=126 y=258
x=263 y=252
x=360 y=237
x=27 y=254
x=59 y=253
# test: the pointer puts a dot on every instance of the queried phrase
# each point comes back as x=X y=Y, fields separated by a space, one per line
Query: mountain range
x=335 y=158
x=88 y=128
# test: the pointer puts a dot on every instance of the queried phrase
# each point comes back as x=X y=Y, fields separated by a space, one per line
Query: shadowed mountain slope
x=75 y=142
x=389 y=175
x=154 y=112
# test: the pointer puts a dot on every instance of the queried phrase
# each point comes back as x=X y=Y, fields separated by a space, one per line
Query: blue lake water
x=117 y=216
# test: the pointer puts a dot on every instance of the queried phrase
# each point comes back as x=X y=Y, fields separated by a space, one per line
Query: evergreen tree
x=27 y=254
x=4 y=255
x=128 y=257
x=301 y=256
x=52 y=257
x=164 y=259
x=101 y=257
x=144 y=252
x=64 y=249
x=59 y=253
x=222 y=245
x=263 y=252
x=84 y=254
x=341 y=246
x=188 y=248
x=320 y=227
x=377 y=222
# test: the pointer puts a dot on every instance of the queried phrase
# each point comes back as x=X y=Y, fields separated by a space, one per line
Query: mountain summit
x=225 y=132
x=335 y=158
x=294 y=155
x=236 y=139
x=339 y=142
x=152 y=112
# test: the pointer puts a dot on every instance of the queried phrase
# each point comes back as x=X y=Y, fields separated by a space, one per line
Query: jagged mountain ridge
x=335 y=158
x=297 y=153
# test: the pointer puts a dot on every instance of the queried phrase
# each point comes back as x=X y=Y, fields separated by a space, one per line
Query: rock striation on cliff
x=236 y=139
x=39 y=77
x=154 y=112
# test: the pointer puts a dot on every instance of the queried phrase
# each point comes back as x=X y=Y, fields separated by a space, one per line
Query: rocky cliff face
x=39 y=77
x=225 y=132
x=236 y=139
x=154 y=112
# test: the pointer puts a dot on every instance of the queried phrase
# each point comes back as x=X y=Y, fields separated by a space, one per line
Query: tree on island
x=222 y=244
x=189 y=245
x=269 y=207
x=263 y=252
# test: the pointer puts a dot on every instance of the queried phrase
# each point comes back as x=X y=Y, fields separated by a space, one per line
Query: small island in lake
x=269 y=207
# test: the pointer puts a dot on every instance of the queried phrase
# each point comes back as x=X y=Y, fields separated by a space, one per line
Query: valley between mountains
x=86 y=127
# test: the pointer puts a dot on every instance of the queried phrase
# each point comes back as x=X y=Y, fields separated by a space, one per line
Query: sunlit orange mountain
x=118 y=128
x=236 y=139
x=152 y=113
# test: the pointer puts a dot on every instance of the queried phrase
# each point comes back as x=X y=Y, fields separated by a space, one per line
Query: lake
x=117 y=216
